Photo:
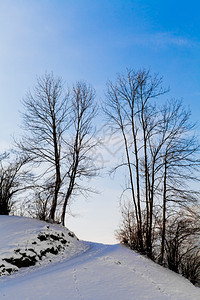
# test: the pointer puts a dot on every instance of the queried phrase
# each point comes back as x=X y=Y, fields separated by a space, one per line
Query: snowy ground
x=87 y=271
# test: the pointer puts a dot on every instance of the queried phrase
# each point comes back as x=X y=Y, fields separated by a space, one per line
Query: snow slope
x=87 y=271
x=26 y=242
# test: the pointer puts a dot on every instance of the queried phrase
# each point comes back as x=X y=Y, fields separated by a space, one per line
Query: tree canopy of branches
x=59 y=137
x=79 y=158
x=160 y=151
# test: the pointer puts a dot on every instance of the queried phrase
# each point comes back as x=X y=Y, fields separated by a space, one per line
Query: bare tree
x=60 y=138
x=13 y=180
x=182 y=237
x=46 y=119
x=161 y=153
x=130 y=108
x=179 y=161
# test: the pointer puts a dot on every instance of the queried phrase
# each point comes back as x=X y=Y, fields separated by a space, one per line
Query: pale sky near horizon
x=92 y=41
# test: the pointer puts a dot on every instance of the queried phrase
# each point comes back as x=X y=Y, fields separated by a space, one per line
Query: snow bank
x=27 y=242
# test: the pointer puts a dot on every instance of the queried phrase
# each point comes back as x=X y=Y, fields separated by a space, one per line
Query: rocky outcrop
x=46 y=243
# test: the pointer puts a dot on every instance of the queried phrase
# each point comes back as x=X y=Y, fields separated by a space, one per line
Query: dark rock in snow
x=50 y=242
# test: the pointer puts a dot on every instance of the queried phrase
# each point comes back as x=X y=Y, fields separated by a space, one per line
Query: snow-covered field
x=83 y=270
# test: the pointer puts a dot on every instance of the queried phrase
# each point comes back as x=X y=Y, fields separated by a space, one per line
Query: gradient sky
x=92 y=41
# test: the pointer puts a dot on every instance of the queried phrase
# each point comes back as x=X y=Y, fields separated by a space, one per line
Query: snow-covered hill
x=81 y=270
x=26 y=242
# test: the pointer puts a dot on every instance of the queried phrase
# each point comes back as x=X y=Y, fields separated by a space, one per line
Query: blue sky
x=92 y=41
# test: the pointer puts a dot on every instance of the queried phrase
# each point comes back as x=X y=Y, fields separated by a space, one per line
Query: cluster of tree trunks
x=160 y=151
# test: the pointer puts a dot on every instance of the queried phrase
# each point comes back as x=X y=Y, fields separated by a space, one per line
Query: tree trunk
x=164 y=212
x=139 y=229
x=58 y=177
x=137 y=183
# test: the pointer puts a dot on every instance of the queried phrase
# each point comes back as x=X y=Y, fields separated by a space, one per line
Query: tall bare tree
x=46 y=119
x=129 y=108
x=180 y=162
x=59 y=137
x=160 y=152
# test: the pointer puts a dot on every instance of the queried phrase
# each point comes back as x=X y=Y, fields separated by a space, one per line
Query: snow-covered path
x=102 y=272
